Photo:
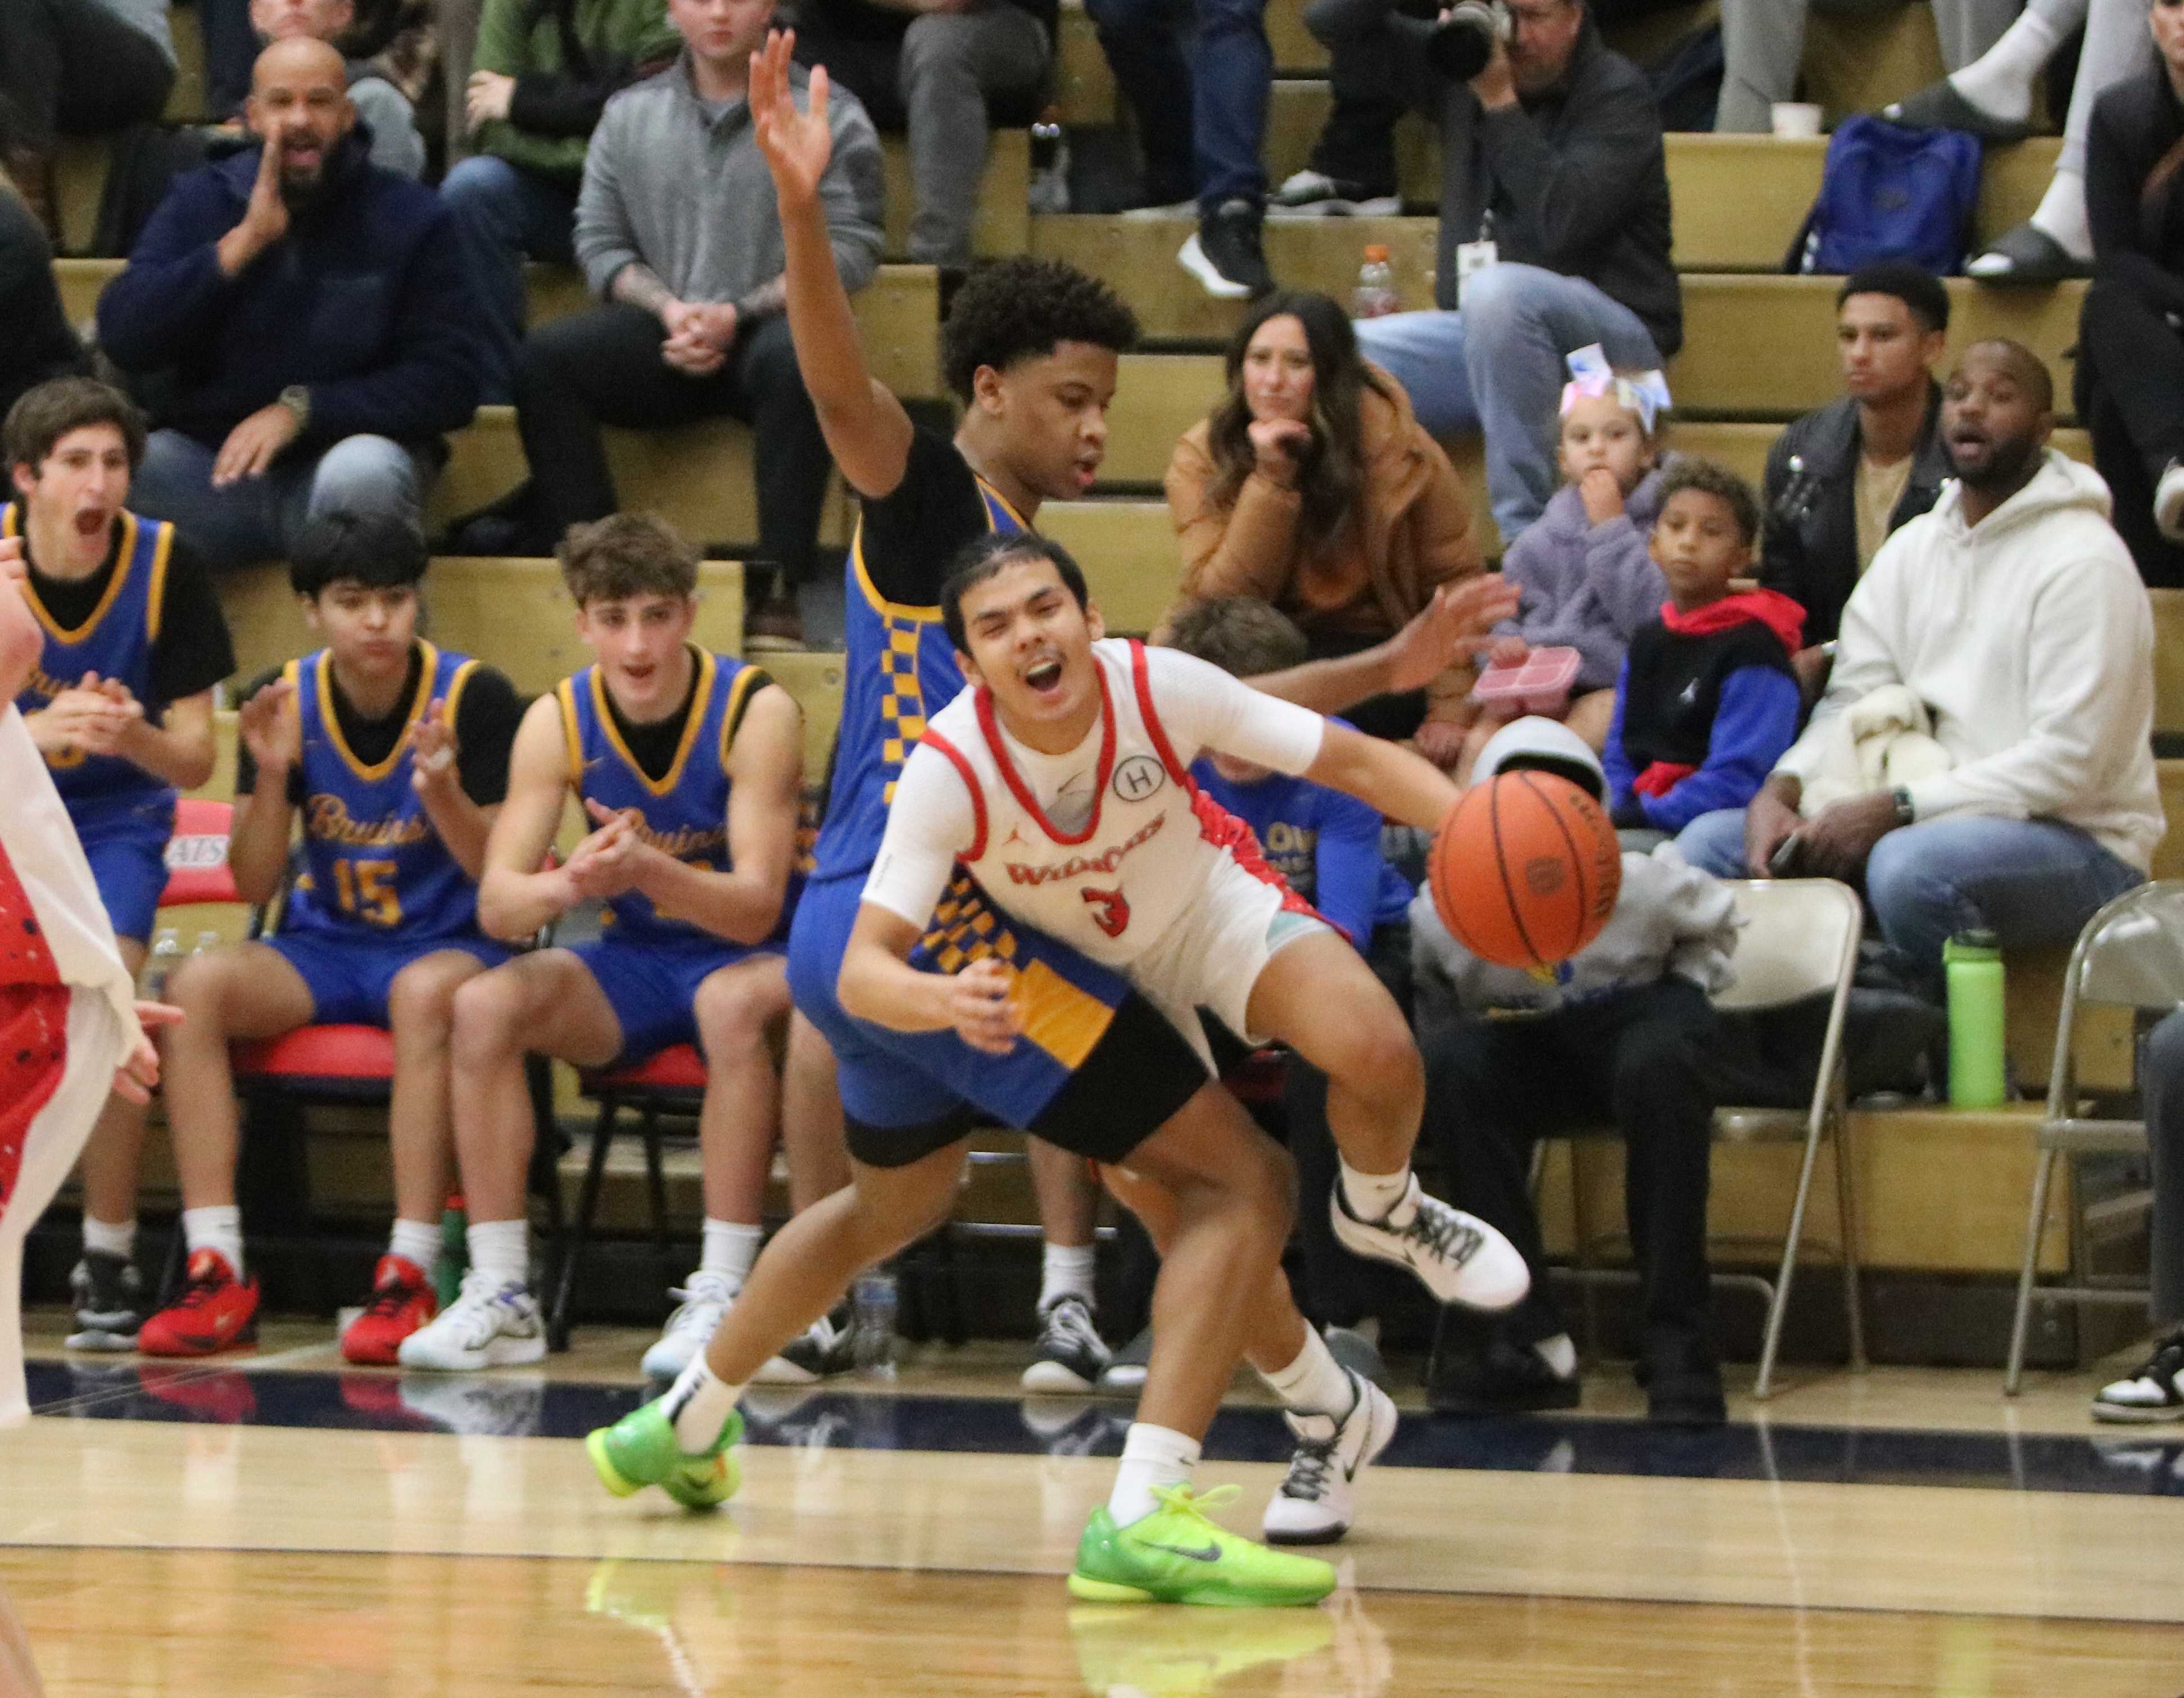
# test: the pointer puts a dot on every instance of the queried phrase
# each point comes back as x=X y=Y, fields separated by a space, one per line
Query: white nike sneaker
x=690 y=1328
x=1456 y=1256
x=1316 y=1498
x=488 y=1326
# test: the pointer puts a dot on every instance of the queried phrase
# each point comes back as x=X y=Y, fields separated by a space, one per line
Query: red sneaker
x=215 y=1312
x=402 y=1302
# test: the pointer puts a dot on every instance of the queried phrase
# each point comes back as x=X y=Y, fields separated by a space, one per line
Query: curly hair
x=627 y=555
x=1711 y=477
x=1332 y=470
x=1019 y=309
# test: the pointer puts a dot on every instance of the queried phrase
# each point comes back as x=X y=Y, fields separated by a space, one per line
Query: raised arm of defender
x=864 y=425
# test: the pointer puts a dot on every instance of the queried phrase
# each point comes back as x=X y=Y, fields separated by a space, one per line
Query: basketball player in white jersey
x=1060 y=781
x=69 y=1031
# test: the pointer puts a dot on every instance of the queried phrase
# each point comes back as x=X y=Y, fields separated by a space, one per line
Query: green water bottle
x=1972 y=962
x=454 y=1250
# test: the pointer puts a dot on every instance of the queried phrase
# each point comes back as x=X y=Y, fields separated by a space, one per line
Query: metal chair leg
x=656 y=1181
x=1763 y=1386
x=588 y=1204
x=1847 y=1214
x=2021 y=1320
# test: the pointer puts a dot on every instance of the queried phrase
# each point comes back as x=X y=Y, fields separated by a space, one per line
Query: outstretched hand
x=1449 y=629
x=798 y=146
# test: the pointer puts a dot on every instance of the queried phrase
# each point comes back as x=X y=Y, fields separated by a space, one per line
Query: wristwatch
x=1905 y=814
x=297 y=400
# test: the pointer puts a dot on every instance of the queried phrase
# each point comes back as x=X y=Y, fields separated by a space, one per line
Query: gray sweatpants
x=1763 y=43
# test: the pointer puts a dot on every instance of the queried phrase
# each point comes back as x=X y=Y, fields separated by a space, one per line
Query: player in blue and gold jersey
x=689 y=765
x=395 y=755
x=120 y=706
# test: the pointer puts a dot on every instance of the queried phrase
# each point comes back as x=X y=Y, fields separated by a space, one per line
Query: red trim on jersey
x=970 y=783
x=1224 y=830
x=985 y=702
x=1141 y=681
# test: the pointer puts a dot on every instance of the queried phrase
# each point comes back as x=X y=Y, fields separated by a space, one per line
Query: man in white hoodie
x=2012 y=611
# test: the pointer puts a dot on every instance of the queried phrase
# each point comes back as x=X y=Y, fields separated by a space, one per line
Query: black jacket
x=1576 y=179
x=2137 y=239
x=1810 y=550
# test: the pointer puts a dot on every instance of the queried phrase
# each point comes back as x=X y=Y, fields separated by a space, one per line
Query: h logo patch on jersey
x=1139 y=777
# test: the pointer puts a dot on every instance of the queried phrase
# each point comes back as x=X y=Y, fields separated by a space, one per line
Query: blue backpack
x=1890 y=194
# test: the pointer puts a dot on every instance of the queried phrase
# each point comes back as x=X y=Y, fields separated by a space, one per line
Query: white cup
x=1798 y=119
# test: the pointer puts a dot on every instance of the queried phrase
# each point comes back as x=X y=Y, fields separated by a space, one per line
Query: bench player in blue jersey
x=689 y=767
x=120 y=706
x=1012 y=1027
x=394 y=754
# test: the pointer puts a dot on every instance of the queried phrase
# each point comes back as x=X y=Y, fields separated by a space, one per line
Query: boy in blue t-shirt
x=1327 y=844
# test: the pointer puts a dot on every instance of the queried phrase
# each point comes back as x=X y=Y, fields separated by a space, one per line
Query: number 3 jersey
x=1107 y=846
x=373 y=861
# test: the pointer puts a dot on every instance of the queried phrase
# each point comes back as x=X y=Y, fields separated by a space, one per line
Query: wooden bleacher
x=1943 y=1192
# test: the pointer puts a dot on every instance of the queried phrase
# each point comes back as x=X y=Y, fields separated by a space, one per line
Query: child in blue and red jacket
x=1708 y=699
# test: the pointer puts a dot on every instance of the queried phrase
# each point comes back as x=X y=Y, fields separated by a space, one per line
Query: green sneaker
x=640 y=1451
x=1178 y=1555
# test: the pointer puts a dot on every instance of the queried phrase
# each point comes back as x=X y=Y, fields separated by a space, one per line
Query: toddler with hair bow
x=1586 y=579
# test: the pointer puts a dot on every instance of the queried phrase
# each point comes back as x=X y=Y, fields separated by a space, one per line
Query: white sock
x=1315 y=1381
x=109 y=1239
x=1151 y=1456
x=216 y=1228
x=730 y=1248
x=1373 y=1196
x=700 y=1404
x=501 y=1248
x=2062 y=214
x=1559 y=1354
x=1999 y=81
x=1065 y=1271
x=416 y=1241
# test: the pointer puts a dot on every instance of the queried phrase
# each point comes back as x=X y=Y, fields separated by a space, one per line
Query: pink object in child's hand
x=1540 y=683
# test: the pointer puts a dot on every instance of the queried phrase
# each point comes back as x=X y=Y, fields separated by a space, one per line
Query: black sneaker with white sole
x=1072 y=1355
x=825 y=1349
x=109 y=1293
x=1228 y=254
x=1314 y=194
x=2154 y=1393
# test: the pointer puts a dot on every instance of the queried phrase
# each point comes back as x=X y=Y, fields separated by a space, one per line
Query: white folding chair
x=2130 y=954
x=1798 y=939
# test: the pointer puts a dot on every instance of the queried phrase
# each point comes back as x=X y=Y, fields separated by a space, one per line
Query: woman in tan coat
x=1313 y=486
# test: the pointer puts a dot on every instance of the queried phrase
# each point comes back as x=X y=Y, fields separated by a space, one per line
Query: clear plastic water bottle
x=1375 y=296
x=1050 y=162
x=206 y=941
x=166 y=956
x=876 y=1301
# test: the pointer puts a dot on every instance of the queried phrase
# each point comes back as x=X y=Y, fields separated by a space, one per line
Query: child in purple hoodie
x=1586 y=579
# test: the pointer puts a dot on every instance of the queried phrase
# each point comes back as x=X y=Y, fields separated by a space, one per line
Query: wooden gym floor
x=272 y=1524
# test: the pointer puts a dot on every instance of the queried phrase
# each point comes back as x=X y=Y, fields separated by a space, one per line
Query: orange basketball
x=1525 y=870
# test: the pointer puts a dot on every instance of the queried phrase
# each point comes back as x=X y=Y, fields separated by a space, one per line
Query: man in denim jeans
x=1554 y=231
x=2013 y=613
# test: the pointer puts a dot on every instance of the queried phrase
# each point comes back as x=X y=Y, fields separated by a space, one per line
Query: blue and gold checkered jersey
x=900 y=670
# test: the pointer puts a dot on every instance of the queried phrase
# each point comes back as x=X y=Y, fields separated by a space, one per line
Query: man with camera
x=1554 y=221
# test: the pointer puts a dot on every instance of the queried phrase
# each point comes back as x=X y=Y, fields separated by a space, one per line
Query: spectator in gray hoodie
x=680 y=236
x=1617 y=1034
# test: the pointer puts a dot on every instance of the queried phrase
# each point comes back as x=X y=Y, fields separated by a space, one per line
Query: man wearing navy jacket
x=305 y=312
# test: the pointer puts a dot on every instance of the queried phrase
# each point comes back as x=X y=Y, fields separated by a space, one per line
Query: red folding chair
x=670 y=1085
